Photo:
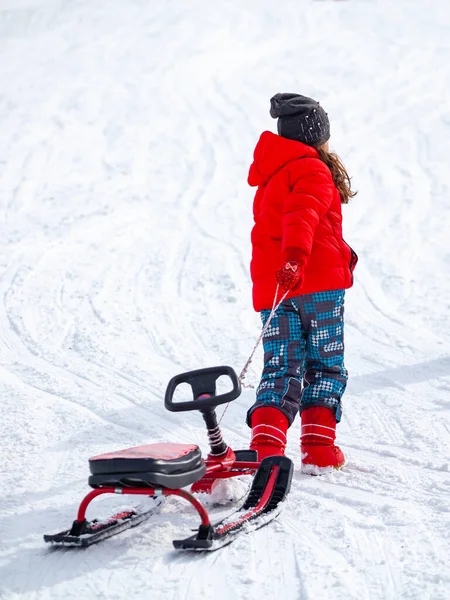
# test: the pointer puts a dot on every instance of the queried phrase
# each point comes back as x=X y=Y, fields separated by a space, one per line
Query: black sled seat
x=162 y=465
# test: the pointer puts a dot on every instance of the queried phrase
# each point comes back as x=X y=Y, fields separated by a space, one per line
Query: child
x=298 y=250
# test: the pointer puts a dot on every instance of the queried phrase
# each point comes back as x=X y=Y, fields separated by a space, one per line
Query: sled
x=161 y=470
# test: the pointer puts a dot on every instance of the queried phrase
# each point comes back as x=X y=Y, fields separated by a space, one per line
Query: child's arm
x=303 y=208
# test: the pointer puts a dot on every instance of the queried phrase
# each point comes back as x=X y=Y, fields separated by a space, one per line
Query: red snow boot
x=269 y=427
x=317 y=441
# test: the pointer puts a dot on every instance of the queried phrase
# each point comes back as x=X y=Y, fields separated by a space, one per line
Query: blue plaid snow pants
x=304 y=355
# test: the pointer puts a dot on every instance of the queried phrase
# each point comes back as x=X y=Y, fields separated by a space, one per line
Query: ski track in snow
x=127 y=130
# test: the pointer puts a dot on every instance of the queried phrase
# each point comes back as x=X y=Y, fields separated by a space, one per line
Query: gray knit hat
x=300 y=118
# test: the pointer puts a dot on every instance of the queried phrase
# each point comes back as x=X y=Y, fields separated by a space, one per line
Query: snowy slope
x=126 y=133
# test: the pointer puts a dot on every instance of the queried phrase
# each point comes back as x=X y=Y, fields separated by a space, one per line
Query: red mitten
x=289 y=276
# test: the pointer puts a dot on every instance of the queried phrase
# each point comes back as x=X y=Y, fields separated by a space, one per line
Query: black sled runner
x=157 y=471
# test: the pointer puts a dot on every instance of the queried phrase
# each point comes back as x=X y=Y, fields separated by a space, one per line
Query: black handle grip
x=203 y=383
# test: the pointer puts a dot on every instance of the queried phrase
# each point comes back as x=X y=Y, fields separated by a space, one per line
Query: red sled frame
x=213 y=473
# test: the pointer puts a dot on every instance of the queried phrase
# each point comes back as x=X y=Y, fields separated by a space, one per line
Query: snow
x=127 y=129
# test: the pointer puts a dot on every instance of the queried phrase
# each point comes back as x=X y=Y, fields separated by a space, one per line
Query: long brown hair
x=339 y=173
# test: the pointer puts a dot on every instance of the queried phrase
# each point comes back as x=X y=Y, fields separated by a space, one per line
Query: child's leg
x=325 y=376
x=284 y=354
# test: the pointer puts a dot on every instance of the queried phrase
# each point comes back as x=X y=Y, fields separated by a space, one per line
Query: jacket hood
x=272 y=152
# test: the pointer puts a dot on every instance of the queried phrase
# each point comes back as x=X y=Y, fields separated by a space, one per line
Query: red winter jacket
x=297 y=213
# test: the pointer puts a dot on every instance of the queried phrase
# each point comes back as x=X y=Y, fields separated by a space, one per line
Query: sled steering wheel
x=203 y=383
